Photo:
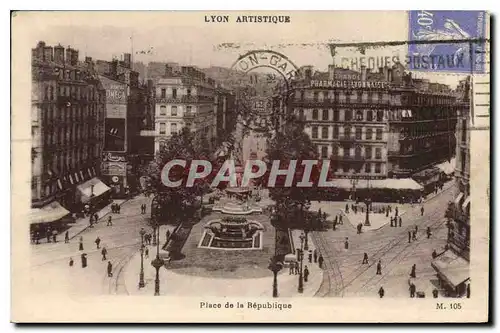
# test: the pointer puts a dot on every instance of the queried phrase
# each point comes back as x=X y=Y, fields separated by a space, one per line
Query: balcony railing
x=184 y=99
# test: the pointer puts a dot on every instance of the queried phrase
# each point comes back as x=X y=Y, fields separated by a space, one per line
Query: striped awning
x=458 y=198
x=92 y=188
x=453 y=268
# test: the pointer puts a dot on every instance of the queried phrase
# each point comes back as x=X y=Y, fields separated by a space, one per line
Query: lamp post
x=275 y=266
x=157 y=263
x=301 y=259
x=141 y=273
x=368 y=202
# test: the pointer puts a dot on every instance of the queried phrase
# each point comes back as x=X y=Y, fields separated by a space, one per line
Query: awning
x=92 y=188
x=399 y=184
x=458 y=198
x=466 y=203
x=447 y=167
x=51 y=212
x=453 y=268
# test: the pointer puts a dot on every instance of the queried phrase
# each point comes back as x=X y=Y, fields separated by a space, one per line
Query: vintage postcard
x=326 y=166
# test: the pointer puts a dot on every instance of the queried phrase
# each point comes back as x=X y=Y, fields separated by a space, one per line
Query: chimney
x=363 y=73
x=39 y=49
x=331 y=72
x=59 y=54
x=74 y=57
x=48 y=53
x=68 y=54
x=127 y=60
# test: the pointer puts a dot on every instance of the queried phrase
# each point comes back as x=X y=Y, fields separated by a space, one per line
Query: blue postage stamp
x=467 y=57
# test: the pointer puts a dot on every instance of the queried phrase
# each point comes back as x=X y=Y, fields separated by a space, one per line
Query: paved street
x=347 y=277
x=121 y=240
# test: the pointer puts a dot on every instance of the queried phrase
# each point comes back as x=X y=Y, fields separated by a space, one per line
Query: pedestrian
x=315 y=255
x=320 y=261
x=340 y=220
x=413 y=273
x=434 y=254
x=310 y=256
x=346 y=243
x=387 y=214
x=48 y=234
x=416 y=228
x=435 y=293
x=32 y=237
x=66 y=237
x=468 y=290
x=379 y=268
x=396 y=211
x=37 y=237
x=429 y=233
x=110 y=269
x=54 y=236
x=292 y=268
x=104 y=252
x=96 y=218
x=400 y=221
x=412 y=290
x=306 y=274
x=422 y=211
x=80 y=245
x=414 y=235
x=347 y=208
x=365 y=258
x=146 y=252
x=98 y=242
x=71 y=262
x=335 y=224
x=335 y=220
x=84 y=260
x=358 y=227
x=110 y=222
x=392 y=224
x=118 y=207
x=381 y=292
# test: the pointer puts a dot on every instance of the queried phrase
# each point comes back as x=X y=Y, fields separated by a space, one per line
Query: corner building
x=375 y=126
x=67 y=125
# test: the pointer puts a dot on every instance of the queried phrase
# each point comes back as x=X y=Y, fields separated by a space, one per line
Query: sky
x=185 y=37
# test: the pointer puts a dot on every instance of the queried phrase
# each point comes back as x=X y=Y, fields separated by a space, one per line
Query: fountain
x=232 y=233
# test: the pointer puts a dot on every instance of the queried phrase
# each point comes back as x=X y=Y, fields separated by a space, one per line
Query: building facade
x=68 y=107
x=374 y=125
x=184 y=97
x=126 y=116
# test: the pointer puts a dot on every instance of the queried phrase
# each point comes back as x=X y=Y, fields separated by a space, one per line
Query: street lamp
x=301 y=259
x=157 y=263
x=141 y=273
x=368 y=202
x=275 y=266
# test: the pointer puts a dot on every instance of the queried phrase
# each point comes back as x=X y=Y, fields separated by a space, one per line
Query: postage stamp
x=250 y=167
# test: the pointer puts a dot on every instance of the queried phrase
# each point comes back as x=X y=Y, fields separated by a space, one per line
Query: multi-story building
x=374 y=125
x=452 y=266
x=126 y=116
x=67 y=126
x=184 y=97
x=225 y=113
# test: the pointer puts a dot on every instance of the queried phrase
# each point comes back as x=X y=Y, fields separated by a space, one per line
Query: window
x=163 y=128
x=346 y=151
x=188 y=93
x=378 y=153
x=348 y=115
x=357 y=152
x=370 y=97
x=324 y=132
x=315 y=114
x=174 y=93
x=347 y=132
x=335 y=150
x=335 y=132
x=173 y=111
x=369 y=115
x=464 y=131
x=379 y=134
x=325 y=114
x=163 y=110
x=378 y=167
x=324 y=151
x=358 y=133
x=189 y=109
x=368 y=153
x=316 y=96
x=380 y=115
x=315 y=132
x=163 y=93
x=360 y=96
x=173 y=128
x=301 y=114
x=302 y=94
x=336 y=115
x=368 y=167
x=336 y=97
x=369 y=134
x=46 y=93
x=359 y=115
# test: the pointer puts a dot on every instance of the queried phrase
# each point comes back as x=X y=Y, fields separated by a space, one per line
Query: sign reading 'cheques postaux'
x=435 y=26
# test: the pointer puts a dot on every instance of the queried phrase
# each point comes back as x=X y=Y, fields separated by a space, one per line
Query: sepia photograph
x=250 y=166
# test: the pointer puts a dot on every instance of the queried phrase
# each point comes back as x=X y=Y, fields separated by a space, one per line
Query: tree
x=291 y=144
x=181 y=201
